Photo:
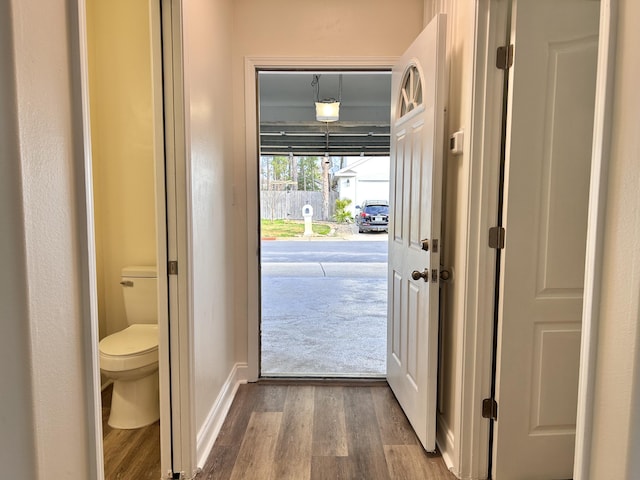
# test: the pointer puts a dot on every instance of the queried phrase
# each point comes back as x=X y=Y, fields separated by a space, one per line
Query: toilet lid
x=133 y=340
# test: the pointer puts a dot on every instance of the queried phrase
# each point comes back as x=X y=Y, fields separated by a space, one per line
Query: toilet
x=130 y=357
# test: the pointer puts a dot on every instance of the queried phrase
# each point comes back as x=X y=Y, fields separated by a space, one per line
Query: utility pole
x=325 y=187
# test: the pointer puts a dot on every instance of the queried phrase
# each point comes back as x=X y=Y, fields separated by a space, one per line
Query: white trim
x=179 y=231
x=595 y=237
x=156 y=35
x=445 y=440
x=88 y=260
x=214 y=420
x=484 y=146
x=251 y=64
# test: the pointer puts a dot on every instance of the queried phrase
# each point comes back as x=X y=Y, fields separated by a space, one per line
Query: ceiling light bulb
x=327 y=111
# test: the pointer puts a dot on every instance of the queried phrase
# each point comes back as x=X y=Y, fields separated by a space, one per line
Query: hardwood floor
x=318 y=432
x=129 y=454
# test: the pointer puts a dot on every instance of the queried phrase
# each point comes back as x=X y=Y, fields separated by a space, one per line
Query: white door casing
x=181 y=424
x=548 y=156
x=417 y=144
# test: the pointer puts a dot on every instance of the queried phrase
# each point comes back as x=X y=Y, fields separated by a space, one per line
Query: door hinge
x=490 y=409
x=496 y=237
x=504 y=57
x=172 y=267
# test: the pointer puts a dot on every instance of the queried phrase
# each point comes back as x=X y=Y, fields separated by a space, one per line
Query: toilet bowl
x=130 y=357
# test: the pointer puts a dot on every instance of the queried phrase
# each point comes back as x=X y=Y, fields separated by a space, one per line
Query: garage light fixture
x=328 y=109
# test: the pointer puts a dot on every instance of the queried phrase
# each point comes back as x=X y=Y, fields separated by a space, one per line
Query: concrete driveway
x=324 y=308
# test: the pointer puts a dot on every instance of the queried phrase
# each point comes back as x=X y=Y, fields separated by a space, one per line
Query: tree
x=342 y=215
x=281 y=171
x=309 y=178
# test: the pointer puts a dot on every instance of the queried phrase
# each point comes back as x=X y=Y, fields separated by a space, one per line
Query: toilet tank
x=140 y=292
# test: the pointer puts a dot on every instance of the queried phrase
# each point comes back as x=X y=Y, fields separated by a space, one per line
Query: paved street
x=324 y=308
x=372 y=249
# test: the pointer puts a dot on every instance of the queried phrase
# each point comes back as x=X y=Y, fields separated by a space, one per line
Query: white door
x=548 y=158
x=417 y=139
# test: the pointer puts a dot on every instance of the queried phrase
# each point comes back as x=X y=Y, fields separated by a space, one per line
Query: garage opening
x=324 y=191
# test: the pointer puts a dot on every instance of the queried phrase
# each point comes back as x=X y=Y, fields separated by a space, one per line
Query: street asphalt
x=324 y=308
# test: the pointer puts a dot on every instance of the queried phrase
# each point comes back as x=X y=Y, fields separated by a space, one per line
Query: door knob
x=416 y=275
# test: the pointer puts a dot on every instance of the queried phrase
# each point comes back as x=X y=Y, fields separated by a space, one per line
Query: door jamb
x=162 y=200
x=88 y=246
x=472 y=453
x=251 y=65
x=177 y=151
x=472 y=430
x=595 y=236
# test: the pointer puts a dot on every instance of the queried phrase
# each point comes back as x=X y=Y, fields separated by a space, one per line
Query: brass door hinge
x=504 y=57
x=490 y=408
x=496 y=237
x=172 y=267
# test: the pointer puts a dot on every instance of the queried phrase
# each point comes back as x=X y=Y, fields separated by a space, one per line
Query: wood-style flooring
x=299 y=432
x=129 y=454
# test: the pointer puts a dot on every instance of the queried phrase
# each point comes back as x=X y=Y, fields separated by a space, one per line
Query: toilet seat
x=134 y=347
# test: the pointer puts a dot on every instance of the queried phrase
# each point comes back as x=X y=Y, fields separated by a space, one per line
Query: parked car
x=373 y=216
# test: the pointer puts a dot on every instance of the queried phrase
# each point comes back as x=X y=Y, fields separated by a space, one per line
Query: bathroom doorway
x=124 y=46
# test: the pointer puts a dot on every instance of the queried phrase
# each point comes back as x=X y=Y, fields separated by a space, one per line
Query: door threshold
x=325 y=381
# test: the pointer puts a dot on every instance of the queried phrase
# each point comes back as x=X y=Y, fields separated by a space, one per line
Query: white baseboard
x=211 y=428
x=445 y=443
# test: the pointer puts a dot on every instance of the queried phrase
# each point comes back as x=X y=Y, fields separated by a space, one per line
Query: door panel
x=417 y=122
x=548 y=159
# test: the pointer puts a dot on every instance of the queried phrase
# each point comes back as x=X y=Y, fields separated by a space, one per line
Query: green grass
x=290 y=228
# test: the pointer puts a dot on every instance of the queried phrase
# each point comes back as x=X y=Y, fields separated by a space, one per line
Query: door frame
x=491 y=17
x=251 y=67
x=181 y=327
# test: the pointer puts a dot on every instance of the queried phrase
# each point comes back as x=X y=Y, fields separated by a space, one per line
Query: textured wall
x=207 y=27
x=16 y=420
x=49 y=167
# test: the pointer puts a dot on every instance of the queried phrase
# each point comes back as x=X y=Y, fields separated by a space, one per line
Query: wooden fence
x=279 y=205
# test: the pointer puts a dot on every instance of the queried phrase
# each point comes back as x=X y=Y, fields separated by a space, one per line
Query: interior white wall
x=16 y=419
x=616 y=426
x=49 y=312
x=290 y=28
x=207 y=50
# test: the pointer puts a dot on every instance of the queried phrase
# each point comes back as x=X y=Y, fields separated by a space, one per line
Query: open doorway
x=128 y=197
x=323 y=193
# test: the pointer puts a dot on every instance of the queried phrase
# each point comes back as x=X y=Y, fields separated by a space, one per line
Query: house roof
x=352 y=169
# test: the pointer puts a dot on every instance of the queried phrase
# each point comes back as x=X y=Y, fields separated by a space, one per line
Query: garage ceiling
x=287 y=114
